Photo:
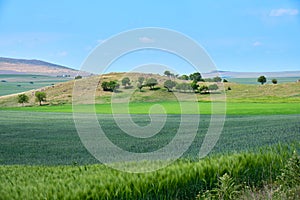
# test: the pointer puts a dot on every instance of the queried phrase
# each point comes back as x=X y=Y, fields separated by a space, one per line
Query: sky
x=238 y=35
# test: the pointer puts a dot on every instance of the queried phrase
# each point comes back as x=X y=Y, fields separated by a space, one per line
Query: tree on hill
x=217 y=79
x=169 y=85
x=151 y=82
x=141 y=80
x=183 y=77
x=195 y=77
x=78 y=77
x=40 y=97
x=184 y=87
x=110 y=86
x=203 y=89
x=167 y=73
x=23 y=98
x=274 y=81
x=140 y=86
x=126 y=82
x=213 y=87
x=194 y=86
x=262 y=79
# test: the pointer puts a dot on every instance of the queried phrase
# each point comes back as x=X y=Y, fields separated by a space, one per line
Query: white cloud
x=257 y=43
x=283 y=12
x=146 y=40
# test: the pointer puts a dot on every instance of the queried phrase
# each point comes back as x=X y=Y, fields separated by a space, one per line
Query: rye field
x=256 y=157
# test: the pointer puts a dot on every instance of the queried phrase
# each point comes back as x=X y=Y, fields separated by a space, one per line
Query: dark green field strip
x=52 y=139
x=174 y=108
x=16 y=83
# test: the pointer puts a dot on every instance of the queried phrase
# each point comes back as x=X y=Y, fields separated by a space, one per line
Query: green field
x=181 y=180
x=51 y=138
x=174 y=108
x=269 y=80
x=16 y=83
x=42 y=155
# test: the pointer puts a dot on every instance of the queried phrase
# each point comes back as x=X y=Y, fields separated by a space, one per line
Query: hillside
x=37 y=67
x=61 y=93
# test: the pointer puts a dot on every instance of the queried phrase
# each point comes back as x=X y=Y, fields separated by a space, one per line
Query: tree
x=141 y=80
x=217 y=79
x=169 y=85
x=167 y=73
x=195 y=77
x=274 y=81
x=183 y=77
x=126 y=82
x=213 y=87
x=194 y=85
x=40 y=96
x=113 y=85
x=110 y=86
x=23 y=98
x=78 y=77
x=140 y=86
x=203 y=89
x=184 y=86
x=151 y=82
x=225 y=80
x=262 y=79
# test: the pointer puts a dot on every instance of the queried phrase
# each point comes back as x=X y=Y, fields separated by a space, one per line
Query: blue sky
x=239 y=35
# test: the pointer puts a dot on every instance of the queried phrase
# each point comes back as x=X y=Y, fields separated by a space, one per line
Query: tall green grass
x=182 y=180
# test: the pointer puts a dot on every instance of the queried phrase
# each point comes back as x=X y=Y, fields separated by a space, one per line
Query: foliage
x=169 y=85
x=226 y=189
x=194 y=86
x=213 y=87
x=40 y=96
x=196 y=77
x=225 y=80
x=141 y=80
x=274 y=81
x=126 y=81
x=184 y=87
x=169 y=74
x=217 y=79
x=203 y=89
x=183 y=77
x=110 y=86
x=140 y=86
x=23 y=98
x=78 y=77
x=262 y=79
x=289 y=180
x=151 y=82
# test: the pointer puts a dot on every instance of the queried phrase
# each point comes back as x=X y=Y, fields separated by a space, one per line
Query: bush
x=23 y=98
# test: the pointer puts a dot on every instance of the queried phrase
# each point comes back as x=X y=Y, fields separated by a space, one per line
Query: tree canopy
x=262 y=79
x=40 y=97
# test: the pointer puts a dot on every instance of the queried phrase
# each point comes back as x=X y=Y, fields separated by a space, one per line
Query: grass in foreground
x=181 y=180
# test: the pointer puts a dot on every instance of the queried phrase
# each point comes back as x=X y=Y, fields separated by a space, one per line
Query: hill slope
x=37 y=67
x=61 y=93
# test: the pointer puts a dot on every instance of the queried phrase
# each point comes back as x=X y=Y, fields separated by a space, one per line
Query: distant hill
x=38 y=67
x=230 y=74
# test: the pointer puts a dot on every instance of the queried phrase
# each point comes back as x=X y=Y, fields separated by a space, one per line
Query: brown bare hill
x=37 y=67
